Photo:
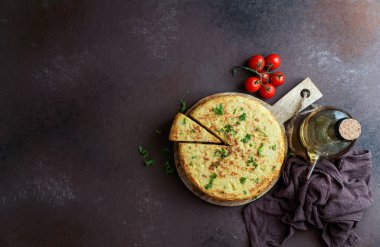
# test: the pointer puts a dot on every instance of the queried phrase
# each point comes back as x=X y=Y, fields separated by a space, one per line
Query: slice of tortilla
x=186 y=130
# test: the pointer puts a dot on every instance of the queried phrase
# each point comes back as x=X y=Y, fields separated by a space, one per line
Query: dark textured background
x=83 y=83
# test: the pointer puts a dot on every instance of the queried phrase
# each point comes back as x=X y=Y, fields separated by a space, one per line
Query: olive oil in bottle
x=328 y=132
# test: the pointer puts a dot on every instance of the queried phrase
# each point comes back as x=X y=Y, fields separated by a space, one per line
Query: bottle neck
x=333 y=133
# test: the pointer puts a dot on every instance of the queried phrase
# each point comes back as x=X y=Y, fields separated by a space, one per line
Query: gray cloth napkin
x=332 y=200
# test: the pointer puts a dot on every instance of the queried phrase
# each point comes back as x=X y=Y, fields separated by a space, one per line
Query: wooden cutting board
x=283 y=110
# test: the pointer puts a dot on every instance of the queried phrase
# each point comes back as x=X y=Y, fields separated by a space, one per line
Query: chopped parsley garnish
x=243 y=117
x=250 y=144
x=257 y=180
x=148 y=162
x=228 y=129
x=245 y=192
x=182 y=106
x=250 y=161
x=246 y=139
x=143 y=151
x=193 y=157
x=254 y=198
x=211 y=179
x=242 y=180
x=261 y=131
x=219 y=109
x=184 y=121
x=192 y=130
x=221 y=152
x=234 y=111
x=273 y=167
x=158 y=132
x=168 y=168
x=260 y=150
x=274 y=147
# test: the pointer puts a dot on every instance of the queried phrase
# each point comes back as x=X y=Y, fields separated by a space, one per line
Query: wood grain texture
x=286 y=107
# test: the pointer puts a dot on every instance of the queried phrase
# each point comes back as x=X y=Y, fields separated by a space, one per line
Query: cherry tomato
x=277 y=79
x=272 y=61
x=252 y=84
x=256 y=62
x=265 y=77
x=267 y=91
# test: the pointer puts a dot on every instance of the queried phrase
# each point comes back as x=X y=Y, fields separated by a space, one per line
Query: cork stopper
x=349 y=129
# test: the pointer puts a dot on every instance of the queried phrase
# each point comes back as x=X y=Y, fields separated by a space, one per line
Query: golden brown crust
x=185 y=129
x=173 y=136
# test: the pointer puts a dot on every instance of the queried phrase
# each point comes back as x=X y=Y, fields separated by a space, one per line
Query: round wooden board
x=199 y=193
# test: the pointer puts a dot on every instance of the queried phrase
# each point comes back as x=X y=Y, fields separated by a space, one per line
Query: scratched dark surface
x=83 y=83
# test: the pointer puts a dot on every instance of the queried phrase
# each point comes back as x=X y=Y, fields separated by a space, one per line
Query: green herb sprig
x=168 y=168
x=182 y=106
x=250 y=161
x=221 y=152
x=260 y=150
x=261 y=132
x=218 y=109
x=210 y=181
x=147 y=160
x=246 y=139
x=243 y=117
x=228 y=129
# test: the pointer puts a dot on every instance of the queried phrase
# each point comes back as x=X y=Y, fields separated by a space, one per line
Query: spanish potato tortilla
x=251 y=158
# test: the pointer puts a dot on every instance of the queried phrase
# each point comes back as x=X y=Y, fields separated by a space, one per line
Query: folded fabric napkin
x=332 y=200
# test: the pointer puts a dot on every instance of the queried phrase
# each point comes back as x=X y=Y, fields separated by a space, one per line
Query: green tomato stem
x=250 y=70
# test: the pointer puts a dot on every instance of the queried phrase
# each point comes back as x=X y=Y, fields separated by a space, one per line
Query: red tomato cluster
x=265 y=82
